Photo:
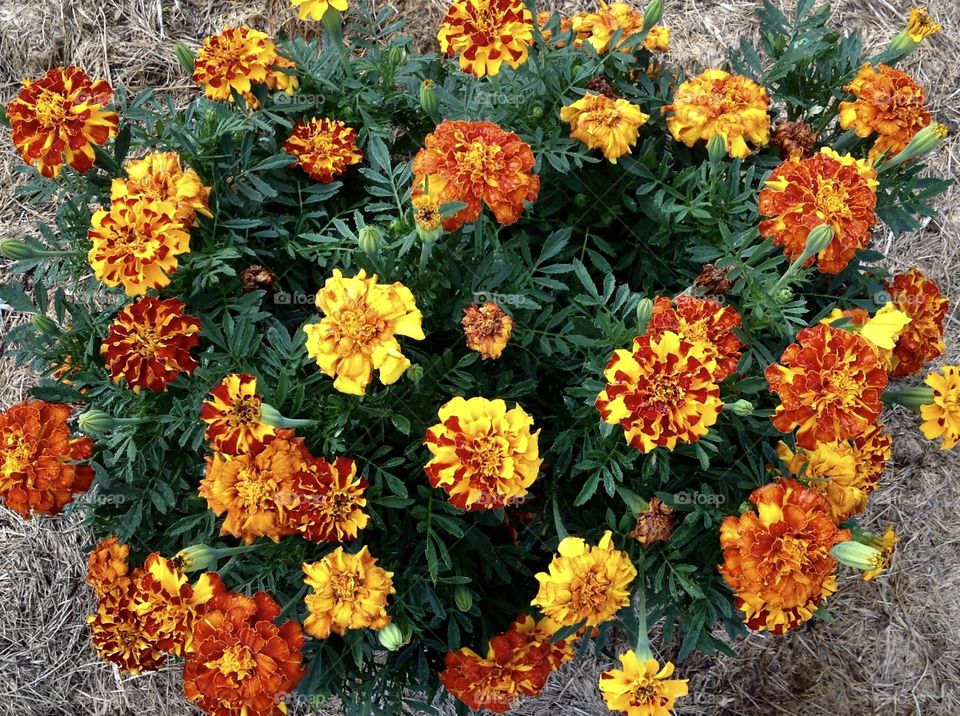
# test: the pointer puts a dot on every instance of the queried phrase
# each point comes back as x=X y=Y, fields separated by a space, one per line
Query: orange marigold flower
x=38 y=470
x=484 y=456
x=160 y=177
x=60 y=118
x=641 y=688
x=358 y=332
x=487 y=33
x=598 y=28
x=844 y=472
x=476 y=163
x=585 y=583
x=920 y=25
x=234 y=416
x=880 y=330
x=243 y=663
x=118 y=635
x=487 y=329
x=662 y=392
x=149 y=344
x=718 y=103
x=777 y=559
x=234 y=61
x=324 y=148
x=255 y=488
x=922 y=339
x=136 y=244
x=426 y=212
x=826 y=188
x=328 y=501
x=706 y=323
x=316 y=9
x=829 y=382
x=941 y=417
x=889 y=103
x=349 y=592
x=886 y=545
x=536 y=633
x=107 y=564
x=601 y=122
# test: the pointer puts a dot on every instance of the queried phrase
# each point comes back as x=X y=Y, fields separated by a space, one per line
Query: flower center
x=147 y=341
x=588 y=594
x=480 y=161
x=16 y=453
x=663 y=393
x=345 y=587
x=605 y=117
x=488 y=455
x=253 y=490
x=235 y=661
x=832 y=200
x=359 y=324
x=644 y=692
x=51 y=109
x=245 y=412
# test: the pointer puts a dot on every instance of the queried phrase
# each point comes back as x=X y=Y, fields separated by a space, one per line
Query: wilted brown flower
x=600 y=85
x=714 y=280
x=257 y=278
x=655 y=524
x=795 y=139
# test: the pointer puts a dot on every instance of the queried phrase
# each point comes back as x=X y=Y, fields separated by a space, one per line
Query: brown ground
x=895 y=649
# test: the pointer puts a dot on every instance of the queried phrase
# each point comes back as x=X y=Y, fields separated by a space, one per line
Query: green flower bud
x=45 y=325
x=910 y=398
x=818 y=239
x=783 y=295
x=923 y=142
x=185 y=57
x=392 y=637
x=397 y=225
x=580 y=200
x=95 y=422
x=717 y=148
x=368 y=239
x=463 y=598
x=741 y=407
x=644 y=311
x=415 y=373
x=536 y=112
x=653 y=14
x=196 y=558
x=856 y=555
x=395 y=54
x=16 y=250
x=428 y=99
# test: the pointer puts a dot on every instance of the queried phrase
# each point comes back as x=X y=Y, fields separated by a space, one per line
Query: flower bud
x=856 y=555
x=95 y=422
x=368 y=239
x=428 y=99
x=196 y=558
x=910 y=398
x=580 y=200
x=644 y=312
x=743 y=408
x=415 y=373
x=392 y=637
x=919 y=26
x=818 y=239
x=784 y=295
x=45 y=325
x=717 y=148
x=395 y=55
x=923 y=142
x=463 y=598
x=536 y=111
x=653 y=14
x=16 y=250
x=397 y=225
x=185 y=57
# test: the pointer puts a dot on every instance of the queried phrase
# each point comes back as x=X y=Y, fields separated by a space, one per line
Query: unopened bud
x=923 y=142
x=428 y=99
x=415 y=373
x=536 y=112
x=368 y=239
x=580 y=200
x=784 y=295
x=95 y=422
x=16 y=250
x=45 y=325
x=717 y=148
x=463 y=598
x=741 y=407
x=818 y=239
x=856 y=555
x=392 y=637
x=653 y=14
x=644 y=312
x=196 y=558
x=185 y=57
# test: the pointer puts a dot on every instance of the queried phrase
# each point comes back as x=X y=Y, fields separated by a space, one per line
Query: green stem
x=640 y=610
x=426 y=248
x=333 y=23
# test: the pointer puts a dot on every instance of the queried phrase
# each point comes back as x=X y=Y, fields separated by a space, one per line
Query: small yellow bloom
x=641 y=688
x=610 y=125
x=941 y=418
x=316 y=9
x=920 y=25
x=161 y=177
x=585 y=583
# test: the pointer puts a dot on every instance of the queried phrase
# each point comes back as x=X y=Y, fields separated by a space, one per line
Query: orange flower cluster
x=890 y=104
x=487 y=33
x=829 y=382
x=922 y=339
x=704 y=322
x=149 y=344
x=107 y=564
x=518 y=663
x=38 y=470
x=826 y=188
x=777 y=559
x=160 y=176
x=242 y=662
x=661 y=392
x=487 y=328
x=476 y=163
x=324 y=148
x=60 y=118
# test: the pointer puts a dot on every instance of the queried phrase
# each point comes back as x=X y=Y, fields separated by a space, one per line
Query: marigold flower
x=234 y=416
x=243 y=662
x=426 y=212
x=585 y=583
x=920 y=25
x=324 y=148
x=844 y=472
x=487 y=33
x=662 y=392
x=641 y=688
x=829 y=382
x=316 y=9
x=922 y=339
x=795 y=139
x=598 y=28
x=349 y=592
x=718 y=103
x=60 y=118
x=234 y=61
x=38 y=470
x=358 y=333
x=706 y=323
x=255 y=488
x=328 y=501
x=889 y=103
x=136 y=244
x=869 y=554
x=160 y=177
x=600 y=122
x=118 y=635
x=476 y=163
x=484 y=456
x=827 y=188
x=880 y=330
x=941 y=417
x=487 y=329
x=149 y=344
x=777 y=559
x=654 y=524
x=542 y=631
x=887 y=545
x=106 y=564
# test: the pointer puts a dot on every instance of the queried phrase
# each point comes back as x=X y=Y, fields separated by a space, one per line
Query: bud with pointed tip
x=653 y=14
x=415 y=373
x=716 y=148
x=368 y=239
x=45 y=325
x=644 y=312
x=392 y=637
x=923 y=142
x=428 y=99
x=185 y=57
x=96 y=422
x=16 y=250
x=463 y=598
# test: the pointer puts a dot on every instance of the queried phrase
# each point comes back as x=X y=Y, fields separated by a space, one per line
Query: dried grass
x=895 y=649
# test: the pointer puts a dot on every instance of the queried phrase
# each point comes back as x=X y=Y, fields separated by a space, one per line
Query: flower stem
x=640 y=611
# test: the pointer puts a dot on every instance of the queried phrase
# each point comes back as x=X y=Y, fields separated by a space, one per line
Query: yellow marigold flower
x=328 y=501
x=718 y=103
x=358 y=333
x=107 y=564
x=890 y=104
x=661 y=392
x=887 y=545
x=324 y=148
x=610 y=125
x=598 y=28
x=316 y=9
x=487 y=329
x=658 y=39
x=487 y=33
x=844 y=472
x=255 y=488
x=161 y=177
x=234 y=60
x=136 y=244
x=484 y=455
x=641 y=688
x=881 y=330
x=349 y=592
x=585 y=583
x=941 y=418
x=234 y=416
x=426 y=212
x=61 y=118
x=920 y=25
